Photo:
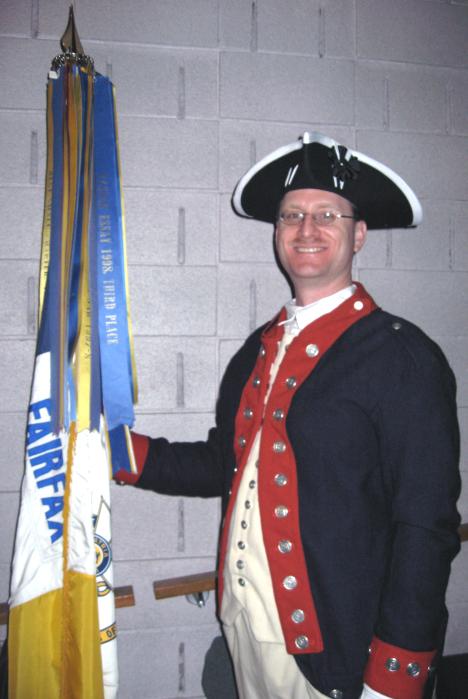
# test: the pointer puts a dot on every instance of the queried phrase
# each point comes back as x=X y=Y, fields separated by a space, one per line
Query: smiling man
x=335 y=452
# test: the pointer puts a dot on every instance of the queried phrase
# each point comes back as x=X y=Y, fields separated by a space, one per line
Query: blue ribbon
x=117 y=388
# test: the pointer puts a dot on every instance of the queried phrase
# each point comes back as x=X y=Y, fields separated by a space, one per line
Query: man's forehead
x=320 y=197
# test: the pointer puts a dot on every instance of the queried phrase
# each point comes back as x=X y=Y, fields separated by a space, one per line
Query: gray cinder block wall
x=204 y=88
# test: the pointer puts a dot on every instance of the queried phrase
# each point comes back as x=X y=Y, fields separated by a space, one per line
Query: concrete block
x=376 y=252
x=402 y=97
x=271 y=87
x=23 y=147
x=434 y=301
x=236 y=21
x=25 y=64
x=412 y=31
x=339 y=33
x=243 y=143
x=18 y=290
x=13 y=434
x=288 y=27
x=171 y=228
x=457 y=98
x=9 y=507
x=428 y=246
x=16 y=371
x=311 y=28
x=4 y=583
x=248 y=296
x=244 y=240
x=21 y=222
x=169 y=153
x=154 y=81
x=456 y=640
x=176 y=374
x=434 y=166
x=455 y=350
x=463 y=421
x=179 y=427
x=174 y=656
x=166 y=22
x=172 y=301
x=163 y=526
x=149 y=612
x=15 y=17
x=459 y=230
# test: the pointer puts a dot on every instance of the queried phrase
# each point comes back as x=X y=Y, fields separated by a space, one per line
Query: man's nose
x=309 y=227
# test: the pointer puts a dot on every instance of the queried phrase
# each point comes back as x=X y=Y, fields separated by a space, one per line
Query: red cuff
x=397 y=672
x=140 y=445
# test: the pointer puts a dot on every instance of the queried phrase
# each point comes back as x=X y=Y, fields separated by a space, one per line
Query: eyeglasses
x=320 y=218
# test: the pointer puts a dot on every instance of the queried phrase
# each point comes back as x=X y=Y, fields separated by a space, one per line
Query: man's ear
x=360 y=235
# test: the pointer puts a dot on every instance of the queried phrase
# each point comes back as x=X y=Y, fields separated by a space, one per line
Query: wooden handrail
x=175 y=587
x=185 y=585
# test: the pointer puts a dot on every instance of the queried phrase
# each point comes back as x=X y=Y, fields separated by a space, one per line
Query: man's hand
x=140 y=444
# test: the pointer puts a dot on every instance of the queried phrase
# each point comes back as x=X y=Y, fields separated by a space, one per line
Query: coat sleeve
x=419 y=444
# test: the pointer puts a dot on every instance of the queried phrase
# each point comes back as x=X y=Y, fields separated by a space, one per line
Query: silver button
x=290 y=582
x=230 y=491
x=298 y=616
x=279 y=447
x=248 y=413
x=302 y=642
x=392 y=664
x=281 y=511
x=244 y=524
x=336 y=694
x=312 y=350
x=262 y=351
x=240 y=564
x=281 y=479
x=413 y=670
x=252 y=484
x=291 y=382
x=241 y=545
x=285 y=546
x=235 y=469
x=278 y=414
x=242 y=441
x=358 y=305
x=247 y=504
x=396 y=326
x=241 y=582
x=256 y=382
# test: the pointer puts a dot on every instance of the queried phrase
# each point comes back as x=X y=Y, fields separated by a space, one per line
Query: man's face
x=318 y=257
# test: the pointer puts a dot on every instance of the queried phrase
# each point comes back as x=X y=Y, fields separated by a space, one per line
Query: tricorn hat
x=314 y=161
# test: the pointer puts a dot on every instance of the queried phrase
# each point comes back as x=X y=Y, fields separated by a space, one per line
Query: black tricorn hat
x=381 y=197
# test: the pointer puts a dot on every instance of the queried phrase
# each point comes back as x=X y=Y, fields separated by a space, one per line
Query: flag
x=62 y=631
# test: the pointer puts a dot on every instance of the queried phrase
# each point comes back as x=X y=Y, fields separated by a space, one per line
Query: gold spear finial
x=72 y=47
x=70 y=41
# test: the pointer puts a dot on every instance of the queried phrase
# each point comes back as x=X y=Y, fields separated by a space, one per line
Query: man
x=335 y=451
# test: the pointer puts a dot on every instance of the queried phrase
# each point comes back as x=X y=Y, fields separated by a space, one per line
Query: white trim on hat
x=316 y=136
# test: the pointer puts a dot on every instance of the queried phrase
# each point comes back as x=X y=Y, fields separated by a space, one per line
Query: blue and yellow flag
x=62 y=632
